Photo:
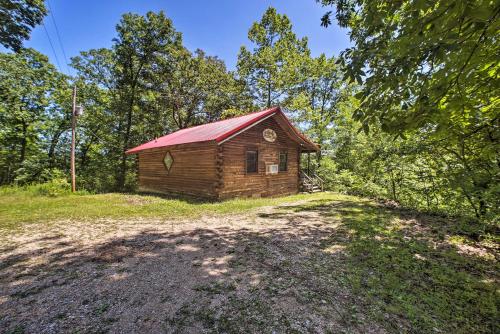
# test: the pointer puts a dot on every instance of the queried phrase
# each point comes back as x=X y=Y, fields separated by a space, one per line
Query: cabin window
x=252 y=161
x=283 y=165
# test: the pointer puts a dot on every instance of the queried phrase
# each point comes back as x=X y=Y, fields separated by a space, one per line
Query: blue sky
x=219 y=27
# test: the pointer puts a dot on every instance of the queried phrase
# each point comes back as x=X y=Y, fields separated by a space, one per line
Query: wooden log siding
x=192 y=173
x=219 y=169
x=211 y=170
x=237 y=183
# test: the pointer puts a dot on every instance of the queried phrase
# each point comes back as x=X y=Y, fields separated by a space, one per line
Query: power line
x=59 y=37
x=52 y=47
x=98 y=138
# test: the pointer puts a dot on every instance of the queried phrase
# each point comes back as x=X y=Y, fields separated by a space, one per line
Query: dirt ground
x=267 y=271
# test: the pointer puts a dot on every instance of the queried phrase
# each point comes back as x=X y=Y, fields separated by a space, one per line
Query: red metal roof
x=215 y=131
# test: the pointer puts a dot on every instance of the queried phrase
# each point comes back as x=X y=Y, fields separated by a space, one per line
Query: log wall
x=193 y=171
x=219 y=171
x=237 y=183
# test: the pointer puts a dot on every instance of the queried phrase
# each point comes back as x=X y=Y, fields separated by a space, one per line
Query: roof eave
x=300 y=138
x=244 y=127
x=136 y=150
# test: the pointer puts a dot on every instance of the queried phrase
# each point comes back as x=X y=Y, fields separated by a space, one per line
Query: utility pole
x=77 y=111
x=73 y=137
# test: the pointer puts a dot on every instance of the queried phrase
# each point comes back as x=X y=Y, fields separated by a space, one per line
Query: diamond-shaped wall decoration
x=168 y=161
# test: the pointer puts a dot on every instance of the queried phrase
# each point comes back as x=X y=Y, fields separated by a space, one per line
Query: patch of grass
x=215 y=288
x=101 y=309
x=18 y=207
x=408 y=271
x=19 y=329
x=238 y=315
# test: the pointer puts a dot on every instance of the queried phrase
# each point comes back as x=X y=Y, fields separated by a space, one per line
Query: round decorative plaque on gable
x=269 y=135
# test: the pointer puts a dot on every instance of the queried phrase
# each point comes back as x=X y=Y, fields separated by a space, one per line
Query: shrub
x=328 y=171
x=52 y=188
x=350 y=183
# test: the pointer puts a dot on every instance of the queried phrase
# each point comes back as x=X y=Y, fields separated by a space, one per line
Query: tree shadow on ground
x=405 y=263
x=319 y=267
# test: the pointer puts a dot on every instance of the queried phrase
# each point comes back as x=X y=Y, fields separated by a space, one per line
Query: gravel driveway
x=274 y=270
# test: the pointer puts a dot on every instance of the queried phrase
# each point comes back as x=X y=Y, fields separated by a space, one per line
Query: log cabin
x=254 y=155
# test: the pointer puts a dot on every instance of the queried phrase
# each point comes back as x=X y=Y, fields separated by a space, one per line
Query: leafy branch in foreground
x=17 y=19
x=430 y=69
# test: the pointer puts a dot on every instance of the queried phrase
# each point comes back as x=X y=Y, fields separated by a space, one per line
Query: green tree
x=28 y=85
x=140 y=40
x=17 y=19
x=145 y=86
x=315 y=101
x=196 y=89
x=98 y=145
x=99 y=135
x=430 y=71
x=411 y=171
x=272 y=67
x=428 y=64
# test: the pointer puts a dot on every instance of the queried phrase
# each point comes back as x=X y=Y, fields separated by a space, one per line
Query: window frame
x=256 y=160
x=285 y=153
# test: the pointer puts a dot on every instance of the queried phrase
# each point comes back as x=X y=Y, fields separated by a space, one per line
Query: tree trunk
x=471 y=202
x=126 y=142
x=53 y=144
x=269 y=90
x=24 y=142
x=393 y=185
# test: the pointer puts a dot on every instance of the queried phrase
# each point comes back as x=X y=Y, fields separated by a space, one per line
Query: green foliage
x=52 y=188
x=379 y=139
x=17 y=19
x=346 y=181
x=404 y=170
x=29 y=88
x=148 y=84
x=429 y=73
x=198 y=89
x=314 y=102
x=140 y=42
x=270 y=69
x=327 y=171
x=56 y=186
x=424 y=64
x=353 y=184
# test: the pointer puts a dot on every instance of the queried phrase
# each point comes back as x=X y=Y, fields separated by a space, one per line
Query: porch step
x=311 y=184
x=311 y=188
